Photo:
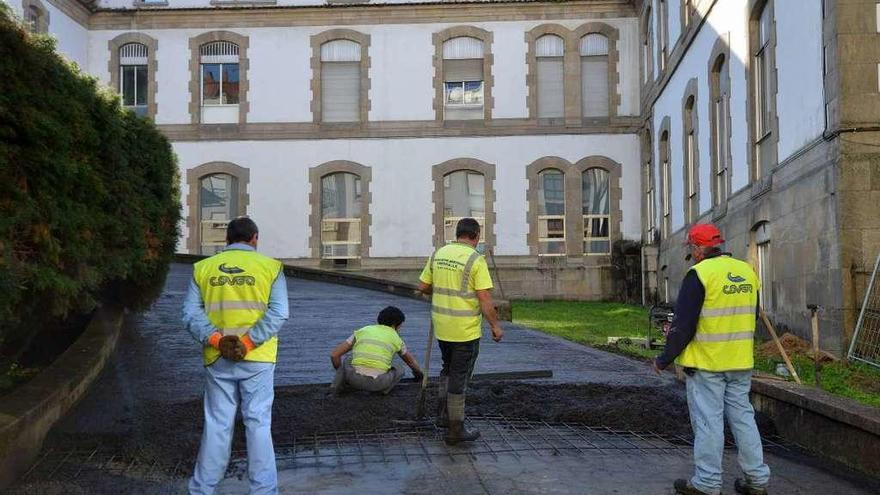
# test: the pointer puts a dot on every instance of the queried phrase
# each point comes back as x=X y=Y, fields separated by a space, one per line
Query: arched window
x=341 y=198
x=720 y=109
x=596 y=208
x=762 y=262
x=763 y=92
x=134 y=77
x=219 y=82
x=594 y=75
x=663 y=34
x=34 y=19
x=665 y=184
x=551 y=212
x=650 y=210
x=691 y=162
x=464 y=195
x=340 y=81
x=648 y=46
x=549 y=53
x=463 y=78
x=218 y=204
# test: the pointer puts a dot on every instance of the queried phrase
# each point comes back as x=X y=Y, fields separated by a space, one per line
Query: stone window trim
x=649 y=185
x=570 y=67
x=152 y=65
x=488 y=79
x=613 y=36
x=243 y=3
x=755 y=8
x=663 y=36
x=614 y=170
x=26 y=5
x=687 y=14
x=663 y=156
x=319 y=172
x=441 y=170
x=193 y=179
x=690 y=123
x=195 y=43
x=647 y=45
x=720 y=54
x=340 y=34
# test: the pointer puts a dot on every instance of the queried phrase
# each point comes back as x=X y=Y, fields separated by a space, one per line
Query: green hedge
x=89 y=195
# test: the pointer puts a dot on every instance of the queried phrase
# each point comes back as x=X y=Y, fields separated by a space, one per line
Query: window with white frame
x=663 y=33
x=551 y=213
x=594 y=75
x=463 y=78
x=133 y=77
x=595 y=184
x=720 y=80
x=762 y=79
x=549 y=52
x=218 y=204
x=648 y=46
x=341 y=198
x=692 y=206
x=665 y=184
x=219 y=82
x=340 y=81
x=761 y=238
x=464 y=196
x=650 y=207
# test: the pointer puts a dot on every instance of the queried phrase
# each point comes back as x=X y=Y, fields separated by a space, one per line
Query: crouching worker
x=373 y=348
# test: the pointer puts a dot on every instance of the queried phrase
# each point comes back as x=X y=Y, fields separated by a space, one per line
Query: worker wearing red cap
x=712 y=337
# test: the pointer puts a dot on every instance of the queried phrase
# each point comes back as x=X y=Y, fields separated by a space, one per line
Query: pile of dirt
x=794 y=346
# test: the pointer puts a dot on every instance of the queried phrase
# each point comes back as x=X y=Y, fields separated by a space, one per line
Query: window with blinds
x=133 y=75
x=551 y=213
x=463 y=78
x=594 y=75
x=341 y=81
x=596 y=211
x=549 y=52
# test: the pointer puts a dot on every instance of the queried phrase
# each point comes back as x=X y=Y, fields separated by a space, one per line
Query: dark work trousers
x=458 y=363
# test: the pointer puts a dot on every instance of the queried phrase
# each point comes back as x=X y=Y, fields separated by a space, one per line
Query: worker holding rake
x=712 y=338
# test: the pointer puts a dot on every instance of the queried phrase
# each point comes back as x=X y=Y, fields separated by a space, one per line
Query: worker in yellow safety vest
x=457 y=277
x=373 y=349
x=712 y=338
x=235 y=306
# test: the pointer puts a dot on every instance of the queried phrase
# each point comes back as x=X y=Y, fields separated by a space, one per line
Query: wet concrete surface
x=137 y=430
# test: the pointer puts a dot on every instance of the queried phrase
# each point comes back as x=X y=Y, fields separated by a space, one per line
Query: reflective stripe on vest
x=375 y=347
x=235 y=285
x=455 y=307
x=726 y=328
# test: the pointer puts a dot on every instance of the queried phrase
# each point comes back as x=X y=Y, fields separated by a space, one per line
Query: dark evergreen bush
x=89 y=199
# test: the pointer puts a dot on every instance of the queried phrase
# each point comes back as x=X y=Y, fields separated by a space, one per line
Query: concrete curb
x=833 y=426
x=38 y=404
x=356 y=280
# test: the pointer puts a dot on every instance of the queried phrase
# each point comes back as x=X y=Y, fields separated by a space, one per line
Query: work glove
x=232 y=348
x=418 y=375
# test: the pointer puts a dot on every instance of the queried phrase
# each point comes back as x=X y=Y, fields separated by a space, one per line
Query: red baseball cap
x=704 y=234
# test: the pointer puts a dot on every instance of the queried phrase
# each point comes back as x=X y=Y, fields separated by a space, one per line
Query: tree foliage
x=89 y=199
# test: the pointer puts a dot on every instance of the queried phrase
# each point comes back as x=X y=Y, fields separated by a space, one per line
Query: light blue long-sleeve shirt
x=196 y=319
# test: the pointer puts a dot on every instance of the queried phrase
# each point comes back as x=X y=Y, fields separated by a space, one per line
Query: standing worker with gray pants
x=373 y=348
x=457 y=277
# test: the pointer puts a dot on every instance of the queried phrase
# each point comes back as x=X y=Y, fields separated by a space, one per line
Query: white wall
x=401 y=69
x=799 y=97
x=401 y=184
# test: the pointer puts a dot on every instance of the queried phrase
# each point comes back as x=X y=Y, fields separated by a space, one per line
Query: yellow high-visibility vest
x=375 y=347
x=726 y=328
x=235 y=286
x=455 y=309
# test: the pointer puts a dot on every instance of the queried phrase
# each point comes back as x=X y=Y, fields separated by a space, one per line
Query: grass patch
x=588 y=323
x=857 y=381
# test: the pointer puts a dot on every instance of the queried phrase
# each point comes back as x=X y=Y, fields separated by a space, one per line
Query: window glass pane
x=551 y=192
x=595 y=190
x=594 y=86
x=340 y=91
x=765 y=26
x=473 y=93
x=339 y=196
x=128 y=80
x=454 y=93
x=217 y=205
x=210 y=84
x=141 y=85
x=550 y=87
x=230 y=84
x=464 y=196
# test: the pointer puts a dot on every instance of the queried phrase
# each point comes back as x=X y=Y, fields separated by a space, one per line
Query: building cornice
x=231 y=17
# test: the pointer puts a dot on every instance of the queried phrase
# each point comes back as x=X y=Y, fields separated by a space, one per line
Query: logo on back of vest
x=238 y=280
x=738 y=286
x=232 y=270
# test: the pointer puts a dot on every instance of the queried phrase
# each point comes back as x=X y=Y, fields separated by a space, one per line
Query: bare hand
x=497 y=332
x=655 y=367
x=418 y=375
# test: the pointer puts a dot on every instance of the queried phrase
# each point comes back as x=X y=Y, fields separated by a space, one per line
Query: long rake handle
x=779 y=346
x=420 y=406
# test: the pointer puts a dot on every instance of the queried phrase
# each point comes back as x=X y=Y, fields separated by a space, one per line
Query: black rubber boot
x=457 y=433
x=684 y=487
x=742 y=487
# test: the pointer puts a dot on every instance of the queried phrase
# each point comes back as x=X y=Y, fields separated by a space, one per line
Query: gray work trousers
x=347 y=377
